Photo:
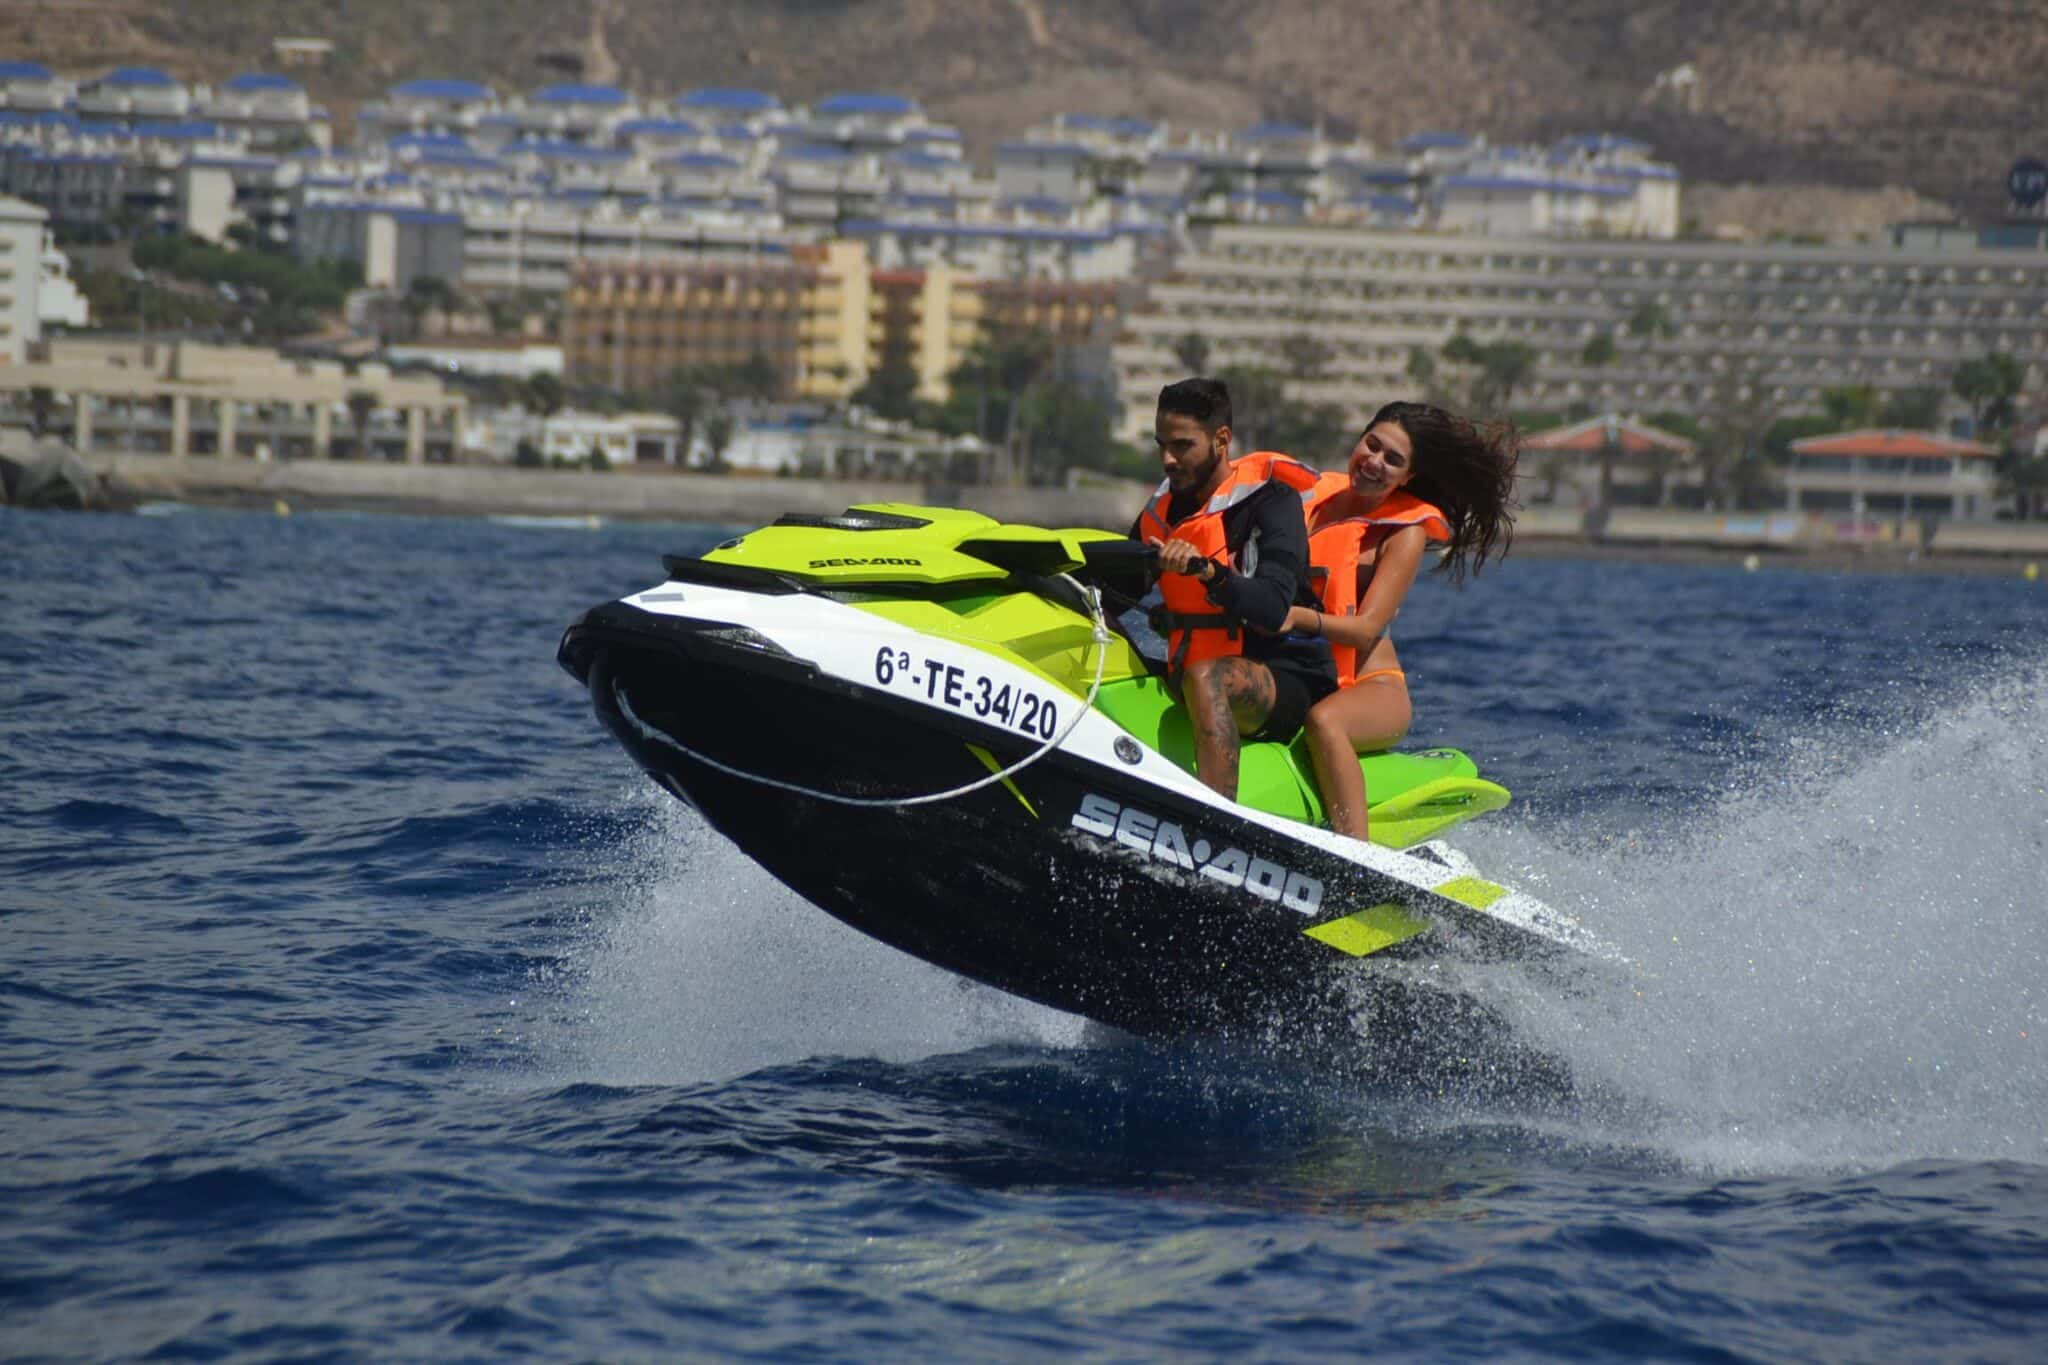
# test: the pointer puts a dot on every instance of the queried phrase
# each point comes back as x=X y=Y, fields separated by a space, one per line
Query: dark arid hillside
x=1938 y=98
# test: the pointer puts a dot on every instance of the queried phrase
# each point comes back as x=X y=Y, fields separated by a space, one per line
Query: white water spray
x=1843 y=965
x=710 y=968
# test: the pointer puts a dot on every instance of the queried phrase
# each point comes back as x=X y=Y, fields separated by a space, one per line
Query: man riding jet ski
x=1233 y=557
x=928 y=724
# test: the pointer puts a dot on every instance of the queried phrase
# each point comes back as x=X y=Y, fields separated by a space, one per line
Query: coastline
x=1636 y=535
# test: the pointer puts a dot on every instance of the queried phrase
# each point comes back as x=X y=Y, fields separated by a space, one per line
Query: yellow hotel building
x=825 y=319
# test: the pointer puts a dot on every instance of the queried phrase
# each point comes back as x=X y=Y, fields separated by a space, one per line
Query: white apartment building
x=58 y=302
x=584 y=114
x=1046 y=169
x=266 y=112
x=23 y=228
x=28 y=87
x=134 y=94
x=622 y=438
x=1640 y=203
x=864 y=123
x=529 y=244
x=1766 y=327
x=430 y=106
x=394 y=243
x=1000 y=251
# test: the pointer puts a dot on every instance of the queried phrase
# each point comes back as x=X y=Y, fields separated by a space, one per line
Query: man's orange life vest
x=1195 y=629
x=1335 y=548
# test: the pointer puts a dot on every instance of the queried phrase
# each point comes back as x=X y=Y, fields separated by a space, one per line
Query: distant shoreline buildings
x=836 y=240
x=446 y=176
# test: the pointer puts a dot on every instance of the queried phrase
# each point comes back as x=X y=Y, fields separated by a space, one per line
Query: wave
x=697 y=965
x=1839 y=963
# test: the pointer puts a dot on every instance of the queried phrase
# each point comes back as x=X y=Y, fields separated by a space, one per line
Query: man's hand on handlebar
x=1177 y=556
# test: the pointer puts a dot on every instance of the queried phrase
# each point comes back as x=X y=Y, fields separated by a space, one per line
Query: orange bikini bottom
x=1379 y=673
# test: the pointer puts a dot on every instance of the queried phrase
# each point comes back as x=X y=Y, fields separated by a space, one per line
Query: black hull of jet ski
x=1057 y=884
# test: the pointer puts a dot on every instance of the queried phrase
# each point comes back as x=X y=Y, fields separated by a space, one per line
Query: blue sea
x=360 y=1001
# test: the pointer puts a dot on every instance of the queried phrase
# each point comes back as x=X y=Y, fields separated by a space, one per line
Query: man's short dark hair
x=1206 y=400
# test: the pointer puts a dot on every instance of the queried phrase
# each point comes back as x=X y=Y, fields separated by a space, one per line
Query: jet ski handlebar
x=1124 y=555
x=1127 y=568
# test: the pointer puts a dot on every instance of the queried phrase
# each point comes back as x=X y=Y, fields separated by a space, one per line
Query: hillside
x=1936 y=99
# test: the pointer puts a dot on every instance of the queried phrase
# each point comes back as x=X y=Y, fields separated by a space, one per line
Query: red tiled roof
x=1590 y=437
x=1897 y=444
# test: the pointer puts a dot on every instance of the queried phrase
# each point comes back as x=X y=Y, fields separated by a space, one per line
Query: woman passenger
x=1417 y=474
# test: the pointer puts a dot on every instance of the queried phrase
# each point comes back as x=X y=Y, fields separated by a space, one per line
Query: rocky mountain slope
x=1938 y=99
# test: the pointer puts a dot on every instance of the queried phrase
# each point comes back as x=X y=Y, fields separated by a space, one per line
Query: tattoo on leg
x=1218 y=727
x=1248 y=685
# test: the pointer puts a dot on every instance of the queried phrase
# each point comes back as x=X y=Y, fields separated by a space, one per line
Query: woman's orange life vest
x=1195 y=629
x=1335 y=548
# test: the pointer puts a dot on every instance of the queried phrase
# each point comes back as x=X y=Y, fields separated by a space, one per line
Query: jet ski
x=940 y=729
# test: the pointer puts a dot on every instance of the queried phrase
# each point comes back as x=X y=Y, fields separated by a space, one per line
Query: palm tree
x=1308 y=357
x=718 y=434
x=40 y=400
x=1989 y=385
x=543 y=395
x=686 y=399
x=361 y=403
x=1508 y=365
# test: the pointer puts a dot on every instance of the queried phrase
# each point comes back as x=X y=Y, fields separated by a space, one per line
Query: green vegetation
x=542 y=394
x=1315 y=433
x=890 y=392
x=128 y=303
x=1192 y=351
x=1852 y=406
x=2023 y=477
x=718 y=434
x=1502 y=366
x=1779 y=435
x=268 y=295
x=1991 y=385
x=1036 y=418
x=362 y=405
x=1913 y=410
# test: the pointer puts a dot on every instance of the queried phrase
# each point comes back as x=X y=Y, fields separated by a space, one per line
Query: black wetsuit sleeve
x=1261 y=599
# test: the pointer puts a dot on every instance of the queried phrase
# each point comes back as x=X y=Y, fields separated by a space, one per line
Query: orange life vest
x=1195 y=629
x=1335 y=548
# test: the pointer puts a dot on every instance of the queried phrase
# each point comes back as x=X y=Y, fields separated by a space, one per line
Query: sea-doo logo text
x=1168 y=842
x=864 y=563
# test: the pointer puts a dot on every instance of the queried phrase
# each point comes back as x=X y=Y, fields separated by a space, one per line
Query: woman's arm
x=1400 y=558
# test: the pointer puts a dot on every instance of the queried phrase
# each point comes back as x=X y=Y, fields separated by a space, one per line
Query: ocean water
x=359 y=1000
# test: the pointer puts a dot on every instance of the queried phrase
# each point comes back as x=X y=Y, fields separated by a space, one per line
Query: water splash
x=706 y=967
x=1842 y=963
x=1838 y=963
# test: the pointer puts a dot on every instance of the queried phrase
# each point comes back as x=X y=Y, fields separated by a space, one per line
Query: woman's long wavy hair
x=1468 y=471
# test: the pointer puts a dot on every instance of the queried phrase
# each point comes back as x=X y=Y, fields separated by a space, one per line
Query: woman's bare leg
x=1364 y=718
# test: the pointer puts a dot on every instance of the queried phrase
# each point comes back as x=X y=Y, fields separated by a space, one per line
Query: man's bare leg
x=1227 y=699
